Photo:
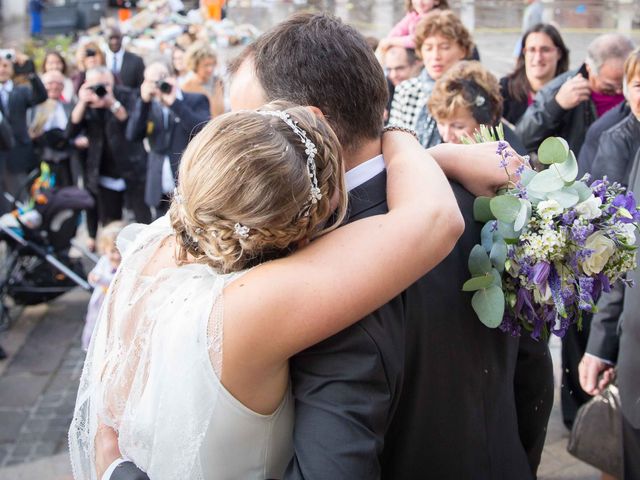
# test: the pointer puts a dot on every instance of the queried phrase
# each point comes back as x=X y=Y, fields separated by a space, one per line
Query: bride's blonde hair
x=244 y=188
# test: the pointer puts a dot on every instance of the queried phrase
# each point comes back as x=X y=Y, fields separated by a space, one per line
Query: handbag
x=596 y=436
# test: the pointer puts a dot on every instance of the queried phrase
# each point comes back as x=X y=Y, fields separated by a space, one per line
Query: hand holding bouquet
x=550 y=244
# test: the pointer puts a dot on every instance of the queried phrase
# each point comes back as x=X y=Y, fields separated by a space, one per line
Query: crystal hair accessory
x=309 y=148
x=241 y=230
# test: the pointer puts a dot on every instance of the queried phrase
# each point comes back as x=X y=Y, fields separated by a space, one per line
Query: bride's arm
x=297 y=301
x=476 y=166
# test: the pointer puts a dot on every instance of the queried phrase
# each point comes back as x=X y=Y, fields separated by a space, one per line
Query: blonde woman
x=191 y=351
x=201 y=62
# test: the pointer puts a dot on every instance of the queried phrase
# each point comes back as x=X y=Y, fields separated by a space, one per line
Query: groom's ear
x=316 y=111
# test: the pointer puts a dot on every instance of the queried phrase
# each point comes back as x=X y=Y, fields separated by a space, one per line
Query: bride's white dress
x=152 y=372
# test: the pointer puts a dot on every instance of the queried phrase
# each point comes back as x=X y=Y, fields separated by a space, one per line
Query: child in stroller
x=36 y=236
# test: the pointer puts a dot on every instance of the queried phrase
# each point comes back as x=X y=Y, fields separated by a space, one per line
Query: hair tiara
x=309 y=148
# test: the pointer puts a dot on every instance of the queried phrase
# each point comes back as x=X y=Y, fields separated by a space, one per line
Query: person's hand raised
x=573 y=92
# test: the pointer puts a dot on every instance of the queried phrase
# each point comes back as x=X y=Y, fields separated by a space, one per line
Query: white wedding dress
x=152 y=372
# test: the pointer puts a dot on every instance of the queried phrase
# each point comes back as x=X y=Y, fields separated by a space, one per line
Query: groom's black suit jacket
x=447 y=407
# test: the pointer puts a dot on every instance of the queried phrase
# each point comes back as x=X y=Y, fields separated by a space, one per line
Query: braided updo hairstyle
x=250 y=169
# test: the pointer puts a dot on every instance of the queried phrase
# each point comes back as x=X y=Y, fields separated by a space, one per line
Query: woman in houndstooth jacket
x=441 y=41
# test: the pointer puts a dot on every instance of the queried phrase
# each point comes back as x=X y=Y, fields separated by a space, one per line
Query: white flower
x=627 y=232
x=549 y=208
x=603 y=247
x=590 y=208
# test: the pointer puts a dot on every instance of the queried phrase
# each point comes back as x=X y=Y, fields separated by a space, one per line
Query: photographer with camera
x=168 y=117
x=15 y=100
x=115 y=168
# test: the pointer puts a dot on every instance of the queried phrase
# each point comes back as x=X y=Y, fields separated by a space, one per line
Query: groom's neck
x=365 y=151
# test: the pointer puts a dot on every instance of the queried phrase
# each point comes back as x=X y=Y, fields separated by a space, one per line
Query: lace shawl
x=153 y=364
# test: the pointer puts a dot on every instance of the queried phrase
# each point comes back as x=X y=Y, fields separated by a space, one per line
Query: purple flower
x=579 y=233
x=568 y=217
x=540 y=273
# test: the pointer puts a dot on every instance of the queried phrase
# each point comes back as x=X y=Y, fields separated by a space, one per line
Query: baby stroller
x=36 y=238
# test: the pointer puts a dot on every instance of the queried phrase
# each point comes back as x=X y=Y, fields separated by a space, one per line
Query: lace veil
x=153 y=364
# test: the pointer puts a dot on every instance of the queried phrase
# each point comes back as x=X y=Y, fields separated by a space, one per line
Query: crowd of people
x=373 y=399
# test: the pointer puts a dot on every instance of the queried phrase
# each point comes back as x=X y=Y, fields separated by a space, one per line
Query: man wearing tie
x=15 y=100
x=127 y=67
x=168 y=117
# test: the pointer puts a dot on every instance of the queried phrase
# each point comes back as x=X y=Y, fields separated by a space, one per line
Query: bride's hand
x=477 y=167
x=107 y=450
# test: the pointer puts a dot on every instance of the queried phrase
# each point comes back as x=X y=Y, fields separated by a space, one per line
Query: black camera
x=90 y=52
x=164 y=86
x=100 y=89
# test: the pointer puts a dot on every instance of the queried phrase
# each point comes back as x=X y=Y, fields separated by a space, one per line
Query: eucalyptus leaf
x=568 y=170
x=489 y=305
x=487 y=236
x=498 y=255
x=482 y=210
x=479 y=262
x=567 y=197
x=507 y=231
x=524 y=215
x=505 y=207
x=553 y=150
x=527 y=176
x=477 y=283
x=497 y=278
x=547 y=181
x=582 y=189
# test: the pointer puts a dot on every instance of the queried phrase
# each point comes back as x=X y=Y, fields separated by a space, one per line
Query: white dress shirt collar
x=364 y=172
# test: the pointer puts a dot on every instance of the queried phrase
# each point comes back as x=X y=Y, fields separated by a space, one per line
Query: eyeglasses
x=540 y=50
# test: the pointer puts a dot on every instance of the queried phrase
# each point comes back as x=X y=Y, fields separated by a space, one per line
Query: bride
x=189 y=361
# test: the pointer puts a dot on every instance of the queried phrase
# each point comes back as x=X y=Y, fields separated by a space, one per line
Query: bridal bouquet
x=550 y=244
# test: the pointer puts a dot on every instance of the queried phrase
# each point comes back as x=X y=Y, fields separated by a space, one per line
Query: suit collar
x=368 y=195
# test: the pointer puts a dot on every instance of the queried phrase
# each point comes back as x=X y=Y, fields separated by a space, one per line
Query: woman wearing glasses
x=543 y=57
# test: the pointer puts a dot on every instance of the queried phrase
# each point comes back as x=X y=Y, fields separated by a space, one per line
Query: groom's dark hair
x=315 y=59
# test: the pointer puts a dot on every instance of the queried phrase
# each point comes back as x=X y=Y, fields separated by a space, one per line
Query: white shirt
x=364 y=172
x=118 y=56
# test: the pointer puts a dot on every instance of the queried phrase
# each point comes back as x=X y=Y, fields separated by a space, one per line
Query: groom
x=352 y=389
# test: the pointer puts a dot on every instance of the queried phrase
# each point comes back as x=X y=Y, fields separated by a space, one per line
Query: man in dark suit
x=348 y=387
x=127 y=67
x=614 y=341
x=15 y=100
x=168 y=117
x=115 y=167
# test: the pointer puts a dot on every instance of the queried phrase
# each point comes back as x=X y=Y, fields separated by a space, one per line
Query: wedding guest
x=441 y=41
x=403 y=33
x=571 y=102
x=127 y=67
x=101 y=276
x=115 y=167
x=15 y=100
x=619 y=144
x=178 y=64
x=48 y=128
x=543 y=57
x=54 y=60
x=613 y=351
x=201 y=60
x=168 y=118
x=88 y=56
x=566 y=107
x=464 y=98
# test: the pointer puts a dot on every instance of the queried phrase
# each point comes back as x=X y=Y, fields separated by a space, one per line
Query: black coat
x=131 y=72
x=186 y=118
x=130 y=157
x=21 y=157
x=546 y=118
x=475 y=401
